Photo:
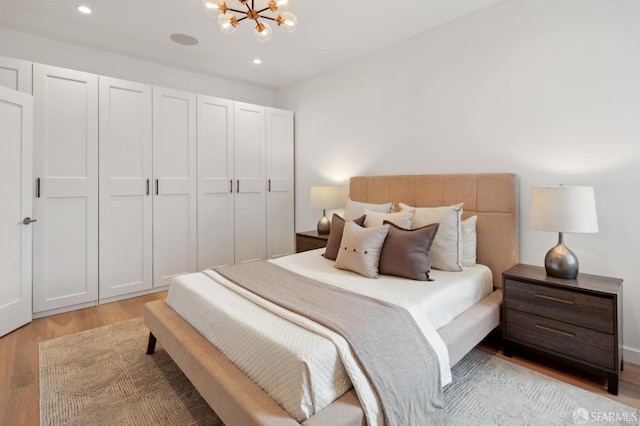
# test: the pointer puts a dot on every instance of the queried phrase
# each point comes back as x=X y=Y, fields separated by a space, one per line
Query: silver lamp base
x=324 y=226
x=560 y=262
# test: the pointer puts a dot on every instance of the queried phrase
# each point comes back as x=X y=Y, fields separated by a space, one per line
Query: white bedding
x=305 y=370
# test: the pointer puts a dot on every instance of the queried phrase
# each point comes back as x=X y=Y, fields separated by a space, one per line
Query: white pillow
x=469 y=241
x=355 y=209
x=360 y=249
x=446 y=251
x=401 y=219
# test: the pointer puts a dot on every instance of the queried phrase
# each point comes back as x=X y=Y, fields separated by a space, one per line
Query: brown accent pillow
x=335 y=235
x=405 y=252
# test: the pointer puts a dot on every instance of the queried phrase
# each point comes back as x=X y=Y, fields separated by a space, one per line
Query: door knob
x=27 y=220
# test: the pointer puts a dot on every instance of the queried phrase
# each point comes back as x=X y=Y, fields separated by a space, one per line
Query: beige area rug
x=104 y=377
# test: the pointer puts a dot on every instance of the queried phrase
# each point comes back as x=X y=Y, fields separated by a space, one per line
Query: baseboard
x=631 y=355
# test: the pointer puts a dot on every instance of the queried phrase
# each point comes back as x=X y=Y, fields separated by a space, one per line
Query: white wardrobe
x=135 y=184
x=65 y=240
x=245 y=182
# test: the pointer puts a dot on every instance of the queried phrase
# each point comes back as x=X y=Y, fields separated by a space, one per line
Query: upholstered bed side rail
x=243 y=402
x=493 y=197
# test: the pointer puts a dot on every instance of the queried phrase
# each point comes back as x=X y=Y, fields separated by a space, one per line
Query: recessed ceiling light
x=257 y=61
x=184 y=39
x=84 y=9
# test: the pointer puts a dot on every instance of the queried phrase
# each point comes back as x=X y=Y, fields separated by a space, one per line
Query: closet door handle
x=269 y=185
x=157 y=186
x=38 y=188
x=238 y=186
x=231 y=186
x=148 y=187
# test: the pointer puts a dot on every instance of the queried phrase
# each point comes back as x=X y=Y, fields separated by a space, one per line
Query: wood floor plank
x=7 y=350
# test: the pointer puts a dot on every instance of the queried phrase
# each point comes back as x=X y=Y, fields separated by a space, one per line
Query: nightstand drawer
x=310 y=240
x=588 y=310
x=568 y=339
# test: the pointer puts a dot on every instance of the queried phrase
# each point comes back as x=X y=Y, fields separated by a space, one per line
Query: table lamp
x=325 y=197
x=563 y=209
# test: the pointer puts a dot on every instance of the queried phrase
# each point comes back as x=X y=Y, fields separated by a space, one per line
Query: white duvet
x=300 y=364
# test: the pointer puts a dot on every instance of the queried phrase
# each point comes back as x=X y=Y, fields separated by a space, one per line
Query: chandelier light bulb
x=287 y=22
x=211 y=8
x=227 y=23
x=281 y=2
x=263 y=32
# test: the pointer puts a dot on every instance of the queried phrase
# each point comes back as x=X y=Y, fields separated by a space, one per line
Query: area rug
x=104 y=377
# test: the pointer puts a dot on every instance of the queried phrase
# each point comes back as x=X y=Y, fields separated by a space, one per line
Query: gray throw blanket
x=394 y=354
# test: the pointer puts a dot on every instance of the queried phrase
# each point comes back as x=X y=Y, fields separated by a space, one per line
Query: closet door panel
x=215 y=183
x=66 y=204
x=16 y=74
x=175 y=184
x=249 y=166
x=125 y=188
x=280 y=190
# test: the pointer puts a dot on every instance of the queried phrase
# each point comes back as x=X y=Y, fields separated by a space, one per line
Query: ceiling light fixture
x=257 y=61
x=245 y=9
x=84 y=9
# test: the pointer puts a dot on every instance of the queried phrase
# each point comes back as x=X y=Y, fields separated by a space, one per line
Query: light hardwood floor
x=19 y=386
x=19 y=376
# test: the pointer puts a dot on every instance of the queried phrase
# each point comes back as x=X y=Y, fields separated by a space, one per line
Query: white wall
x=547 y=89
x=20 y=45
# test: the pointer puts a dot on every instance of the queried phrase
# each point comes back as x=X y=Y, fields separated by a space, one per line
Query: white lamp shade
x=564 y=209
x=325 y=197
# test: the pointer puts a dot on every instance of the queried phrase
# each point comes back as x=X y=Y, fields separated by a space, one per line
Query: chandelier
x=230 y=16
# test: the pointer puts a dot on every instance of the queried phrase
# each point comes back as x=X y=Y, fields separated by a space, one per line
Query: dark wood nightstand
x=310 y=240
x=579 y=320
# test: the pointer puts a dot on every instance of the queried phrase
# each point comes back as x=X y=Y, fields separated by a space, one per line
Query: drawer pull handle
x=555 y=330
x=555 y=299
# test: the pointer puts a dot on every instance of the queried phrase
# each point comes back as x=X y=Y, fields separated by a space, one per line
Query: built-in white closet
x=134 y=184
x=175 y=216
x=279 y=167
x=126 y=263
x=16 y=74
x=65 y=242
x=245 y=168
x=216 y=221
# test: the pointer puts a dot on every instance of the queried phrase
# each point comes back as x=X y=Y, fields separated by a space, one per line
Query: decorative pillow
x=335 y=235
x=354 y=209
x=469 y=241
x=360 y=249
x=405 y=252
x=446 y=251
x=374 y=218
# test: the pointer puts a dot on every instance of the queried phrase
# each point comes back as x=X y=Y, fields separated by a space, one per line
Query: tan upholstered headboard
x=491 y=196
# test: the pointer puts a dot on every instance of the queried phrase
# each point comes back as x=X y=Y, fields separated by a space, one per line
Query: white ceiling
x=330 y=32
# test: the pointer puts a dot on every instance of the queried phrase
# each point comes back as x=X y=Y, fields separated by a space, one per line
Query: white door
x=249 y=168
x=126 y=263
x=16 y=193
x=65 y=243
x=175 y=227
x=15 y=74
x=215 y=182
x=280 y=220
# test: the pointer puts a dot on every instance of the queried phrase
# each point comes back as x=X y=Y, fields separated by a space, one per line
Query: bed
x=239 y=400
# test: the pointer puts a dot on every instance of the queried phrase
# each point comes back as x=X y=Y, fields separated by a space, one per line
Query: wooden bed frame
x=237 y=400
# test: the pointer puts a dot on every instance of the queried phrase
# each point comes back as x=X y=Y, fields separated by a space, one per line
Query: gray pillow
x=360 y=249
x=335 y=235
x=405 y=252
